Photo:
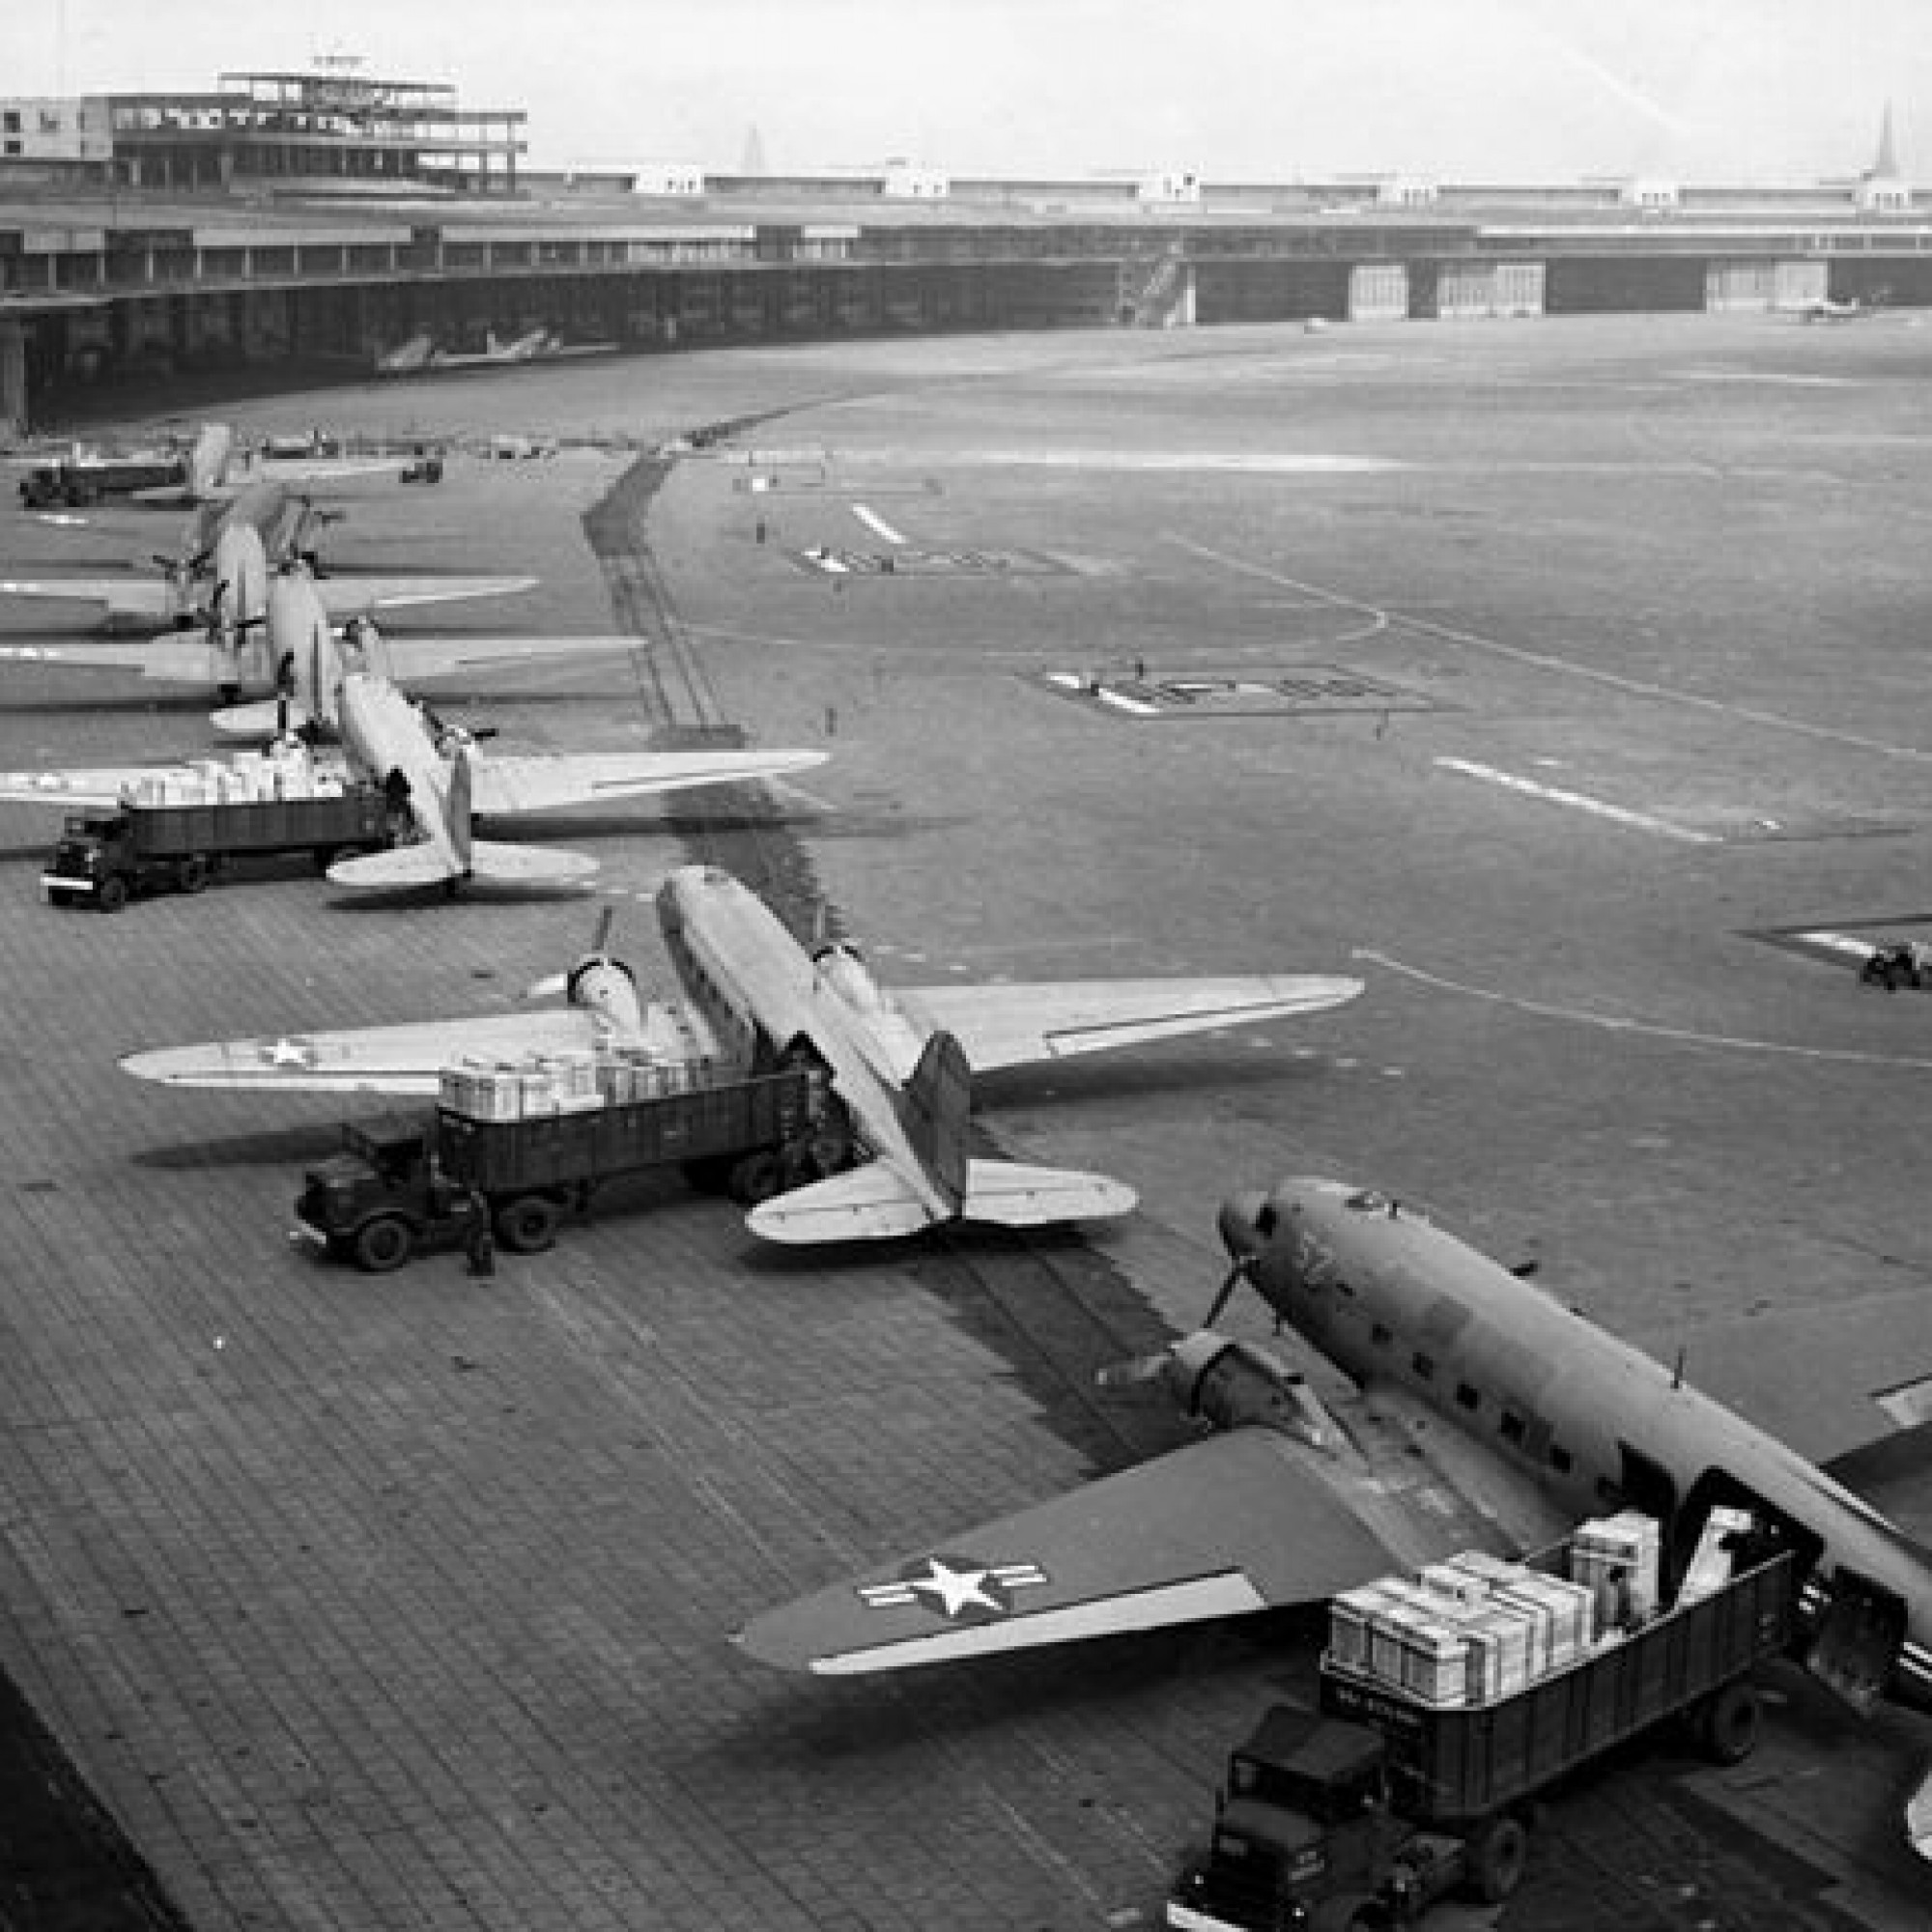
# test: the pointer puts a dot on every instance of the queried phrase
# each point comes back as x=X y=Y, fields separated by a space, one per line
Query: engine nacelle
x=1238 y=1385
x=846 y=974
x=608 y=988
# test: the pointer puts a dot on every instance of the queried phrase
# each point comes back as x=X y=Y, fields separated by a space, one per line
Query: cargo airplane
x=1489 y=1416
x=218 y=584
x=899 y=1064
x=441 y=782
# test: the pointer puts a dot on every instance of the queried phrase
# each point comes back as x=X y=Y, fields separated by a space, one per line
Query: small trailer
x=1365 y=1815
x=110 y=857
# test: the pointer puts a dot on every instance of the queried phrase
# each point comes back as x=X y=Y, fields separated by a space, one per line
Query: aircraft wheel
x=757 y=1178
x=111 y=895
x=528 y=1225
x=1728 y=1723
x=382 y=1245
x=1498 y=1855
x=193 y=873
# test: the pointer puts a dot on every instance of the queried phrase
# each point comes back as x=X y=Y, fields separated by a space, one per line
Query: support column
x=13 y=418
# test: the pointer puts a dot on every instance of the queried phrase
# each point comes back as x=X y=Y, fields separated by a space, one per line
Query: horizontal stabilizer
x=427 y=864
x=1015 y=1196
x=873 y=1203
x=1894 y=1474
x=266 y=718
x=876 y=1203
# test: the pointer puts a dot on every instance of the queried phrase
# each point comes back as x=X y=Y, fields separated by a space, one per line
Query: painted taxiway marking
x=1636 y=687
x=1642 y=1029
x=876 y=522
x=1617 y=814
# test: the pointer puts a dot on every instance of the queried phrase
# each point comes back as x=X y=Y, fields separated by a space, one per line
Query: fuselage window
x=1513 y=1427
x=1425 y=1365
x=1467 y=1397
x=1608 y=1493
x=1561 y=1459
x=1380 y=1336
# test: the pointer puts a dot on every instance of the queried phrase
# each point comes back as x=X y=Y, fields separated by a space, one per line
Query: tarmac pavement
x=403 y=1603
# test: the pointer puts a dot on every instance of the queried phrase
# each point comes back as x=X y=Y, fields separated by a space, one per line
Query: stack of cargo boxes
x=539 y=1084
x=253 y=778
x=1476 y=1629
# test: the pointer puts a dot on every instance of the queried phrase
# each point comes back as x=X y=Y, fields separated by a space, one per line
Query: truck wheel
x=193 y=873
x=1498 y=1853
x=382 y=1245
x=111 y=895
x=528 y=1225
x=757 y=1177
x=1728 y=1723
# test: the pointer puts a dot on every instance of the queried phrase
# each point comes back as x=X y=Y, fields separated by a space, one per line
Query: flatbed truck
x=1368 y=1813
x=111 y=856
x=408 y=1183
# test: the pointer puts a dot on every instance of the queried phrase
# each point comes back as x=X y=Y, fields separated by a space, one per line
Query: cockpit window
x=1369 y=1202
x=1264 y=1221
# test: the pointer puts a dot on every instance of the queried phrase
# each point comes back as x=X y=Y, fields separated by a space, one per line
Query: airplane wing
x=413 y=658
x=1247 y=1520
x=326 y=469
x=347 y=596
x=535 y=784
x=174 y=657
x=367 y=1060
x=1008 y=1026
x=125 y=596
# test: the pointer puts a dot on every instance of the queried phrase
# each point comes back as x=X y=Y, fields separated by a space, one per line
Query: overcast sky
x=1255 y=90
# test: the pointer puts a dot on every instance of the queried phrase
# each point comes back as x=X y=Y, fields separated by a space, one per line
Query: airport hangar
x=251 y=228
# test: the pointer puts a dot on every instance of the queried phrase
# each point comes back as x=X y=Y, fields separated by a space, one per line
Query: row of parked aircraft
x=1481 y=1412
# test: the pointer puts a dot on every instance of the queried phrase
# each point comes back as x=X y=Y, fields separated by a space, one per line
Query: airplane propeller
x=1242 y=1271
x=554 y=983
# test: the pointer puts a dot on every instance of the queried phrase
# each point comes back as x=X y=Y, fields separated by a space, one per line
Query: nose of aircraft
x=1239 y=1218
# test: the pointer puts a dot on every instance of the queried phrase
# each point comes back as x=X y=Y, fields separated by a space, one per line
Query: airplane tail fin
x=934 y=1111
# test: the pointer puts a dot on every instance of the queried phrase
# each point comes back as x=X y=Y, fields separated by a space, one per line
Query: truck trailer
x=405 y=1183
x=112 y=857
x=1365 y=1814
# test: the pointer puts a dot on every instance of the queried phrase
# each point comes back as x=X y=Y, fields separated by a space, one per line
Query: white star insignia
x=287 y=1052
x=957 y=1588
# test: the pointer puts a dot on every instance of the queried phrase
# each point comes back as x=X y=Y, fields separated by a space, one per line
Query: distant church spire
x=1885 y=167
x=754 y=162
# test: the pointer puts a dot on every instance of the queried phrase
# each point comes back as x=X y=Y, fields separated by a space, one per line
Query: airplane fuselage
x=742 y=967
x=1594 y=1423
x=383 y=733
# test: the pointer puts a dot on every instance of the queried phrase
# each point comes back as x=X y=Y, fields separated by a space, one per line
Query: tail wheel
x=1498 y=1856
x=1729 y=1721
x=528 y=1225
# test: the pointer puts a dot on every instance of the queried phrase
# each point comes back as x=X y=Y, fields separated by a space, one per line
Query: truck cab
x=93 y=856
x=375 y=1200
x=1305 y=1821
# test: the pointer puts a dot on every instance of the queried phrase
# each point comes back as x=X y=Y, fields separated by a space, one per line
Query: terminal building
x=323 y=219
